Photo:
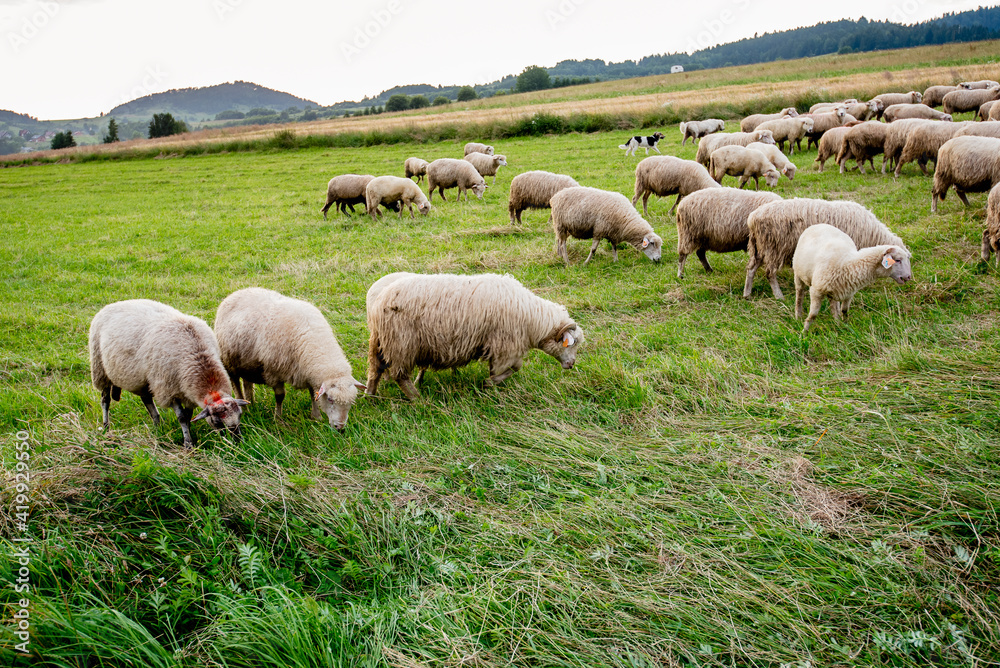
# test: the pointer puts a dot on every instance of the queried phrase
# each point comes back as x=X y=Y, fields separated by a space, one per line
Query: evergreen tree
x=63 y=140
x=533 y=78
x=112 y=135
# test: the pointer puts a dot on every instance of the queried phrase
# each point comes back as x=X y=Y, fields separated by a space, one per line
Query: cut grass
x=707 y=487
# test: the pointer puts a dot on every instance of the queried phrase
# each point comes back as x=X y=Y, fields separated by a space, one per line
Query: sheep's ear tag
x=645 y=242
x=887 y=261
x=320 y=392
x=568 y=340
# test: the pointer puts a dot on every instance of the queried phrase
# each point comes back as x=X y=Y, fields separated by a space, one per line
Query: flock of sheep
x=446 y=321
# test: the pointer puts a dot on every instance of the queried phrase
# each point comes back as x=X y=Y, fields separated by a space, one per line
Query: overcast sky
x=77 y=58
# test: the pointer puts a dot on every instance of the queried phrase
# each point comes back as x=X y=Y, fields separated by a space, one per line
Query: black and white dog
x=633 y=144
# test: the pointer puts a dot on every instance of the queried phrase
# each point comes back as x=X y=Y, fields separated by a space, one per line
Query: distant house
x=6 y=135
x=675 y=69
x=24 y=133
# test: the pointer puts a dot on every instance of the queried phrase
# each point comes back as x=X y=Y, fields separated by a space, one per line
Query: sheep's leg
x=279 y=398
x=405 y=384
x=147 y=401
x=681 y=257
x=500 y=373
x=443 y=198
x=517 y=215
x=376 y=365
x=645 y=202
x=614 y=250
x=704 y=260
x=815 y=301
x=420 y=376
x=835 y=310
x=861 y=165
x=234 y=379
x=922 y=164
x=985 y=251
x=326 y=208
x=494 y=181
x=561 y=249
x=845 y=305
x=106 y=397
x=677 y=201
x=752 y=267
x=961 y=196
x=314 y=413
x=348 y=205
x=593 y=249
x=743 y=180
x=800 y=295
x=772 y=278
x=184 y=417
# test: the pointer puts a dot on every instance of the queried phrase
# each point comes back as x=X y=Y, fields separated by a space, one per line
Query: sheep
x=388 y=190
x=822 y=107
x=487 y=165
x=962 y=100
x=534 y=190
x=450 y=173
x=978 y=85
x=886 y=100
x=163 y=356
x=994 y=113
x=971 y=164
x=743 y=162
x=750 y=123
x=863 y=142
x=827 y=261
x=934 y=95
x=984 y=110
x=346 y=190
x=774 y=230
x=830 y=144
x=443 y=321
x=415 y=167
x=268 y=338
x=924 y=141
x=899 y=111
x=476 y=147
x=991 y=233
x=376 y=289
x=864 y=110
x=715 y=220
x=712 y=142
x=824 y=122
x=895 y=139
x=984 y=129
x=698 y=129
x=776 y=158
x=792 y=130
x=665 y=175
x=589 y=213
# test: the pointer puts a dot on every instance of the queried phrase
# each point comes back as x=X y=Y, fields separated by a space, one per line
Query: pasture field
x=707 y=487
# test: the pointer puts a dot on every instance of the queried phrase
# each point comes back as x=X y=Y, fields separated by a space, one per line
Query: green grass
x=707 y=487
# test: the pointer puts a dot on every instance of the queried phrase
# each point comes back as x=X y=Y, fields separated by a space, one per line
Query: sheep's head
x=223 y=414
x=489 y=150
x=424 y=207
x=917 y=97
x=764 y=136
x=840 y=112
x=652 y=246
x=808 y=124
x=335 y=398
x=965 y=85
x=500 y=160
x=895 y=264
x=563 y=344
x=789 y=171
x=479 y=189
x=790 y=111
x=771 y=177
x=946 y=117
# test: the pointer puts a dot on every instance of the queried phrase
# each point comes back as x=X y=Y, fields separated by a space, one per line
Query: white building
x=674 y=69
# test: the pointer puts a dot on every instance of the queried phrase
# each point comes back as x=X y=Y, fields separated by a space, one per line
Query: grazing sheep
x=163 y=356
x=900 y=111
x=346 y=190
x=991 y=233
x=534 y=190
x=984 y=110
x=268 y=338
x=895 y=140
x=984 y=129
x=774 y=230
x=823 y=107
x=978 y=85
x=712 y=142
x=792 y=130
x=415 y=167
x=886 y=100
x=750 y=123
x=589 y=213
x=827 y=261
x=923 y=142
x=746 y=163
x=376 y=289
x=831 y=142
x=444 y=321
x=824 y=122
x=864 y=110
x=487 y=165
x=665 y=175
x=971 y=164
x=394 y=191
x=963 y=100
x=863 y=142
x=476 y=147
x=776 y=158
x=715 y=220
x=934 y=95
x=698 y=129
x=450 y=173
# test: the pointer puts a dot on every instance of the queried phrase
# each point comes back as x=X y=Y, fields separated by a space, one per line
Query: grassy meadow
x=707 y=487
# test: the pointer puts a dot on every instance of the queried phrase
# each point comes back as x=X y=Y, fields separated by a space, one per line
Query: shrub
x=419 y=102
x=230 y=115
x=466 y=93
x=398 y=102
x=440 y=100
x=533 y=78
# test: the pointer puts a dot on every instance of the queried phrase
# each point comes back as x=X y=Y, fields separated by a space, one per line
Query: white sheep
x=487 y=165
x=750 y=123
x=450 y=173
x=991 y=232
x=934 y=95
x=775 y=228
x=793 y=130
x=899 y=111
x=415 y=167
x=393 y=191
x=712 y=142
x=831 y=142
x=476 y=147
x=963 y=100
x=923 y=142
x=589 y=213
x=828 y=262
x=715 y=219
x=534 y=190
x=164 y=357
x=863 y=142
x=895 y=139
x=971 y=164
x=978 y=85
x=776 y=158
x=886 y=100
x=745 y=163
x=445 y=321
x=346 y=190
x=274 y=340
x=665 y=175
x=698 y=129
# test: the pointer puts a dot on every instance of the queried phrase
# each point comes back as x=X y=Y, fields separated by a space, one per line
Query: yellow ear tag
x=565 y=343
x=887 y=261
x=645 y=242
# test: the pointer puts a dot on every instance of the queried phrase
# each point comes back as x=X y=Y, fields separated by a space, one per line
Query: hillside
x=194 y=104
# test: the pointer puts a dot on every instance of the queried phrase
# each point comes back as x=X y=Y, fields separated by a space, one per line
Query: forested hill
x=210 y=100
